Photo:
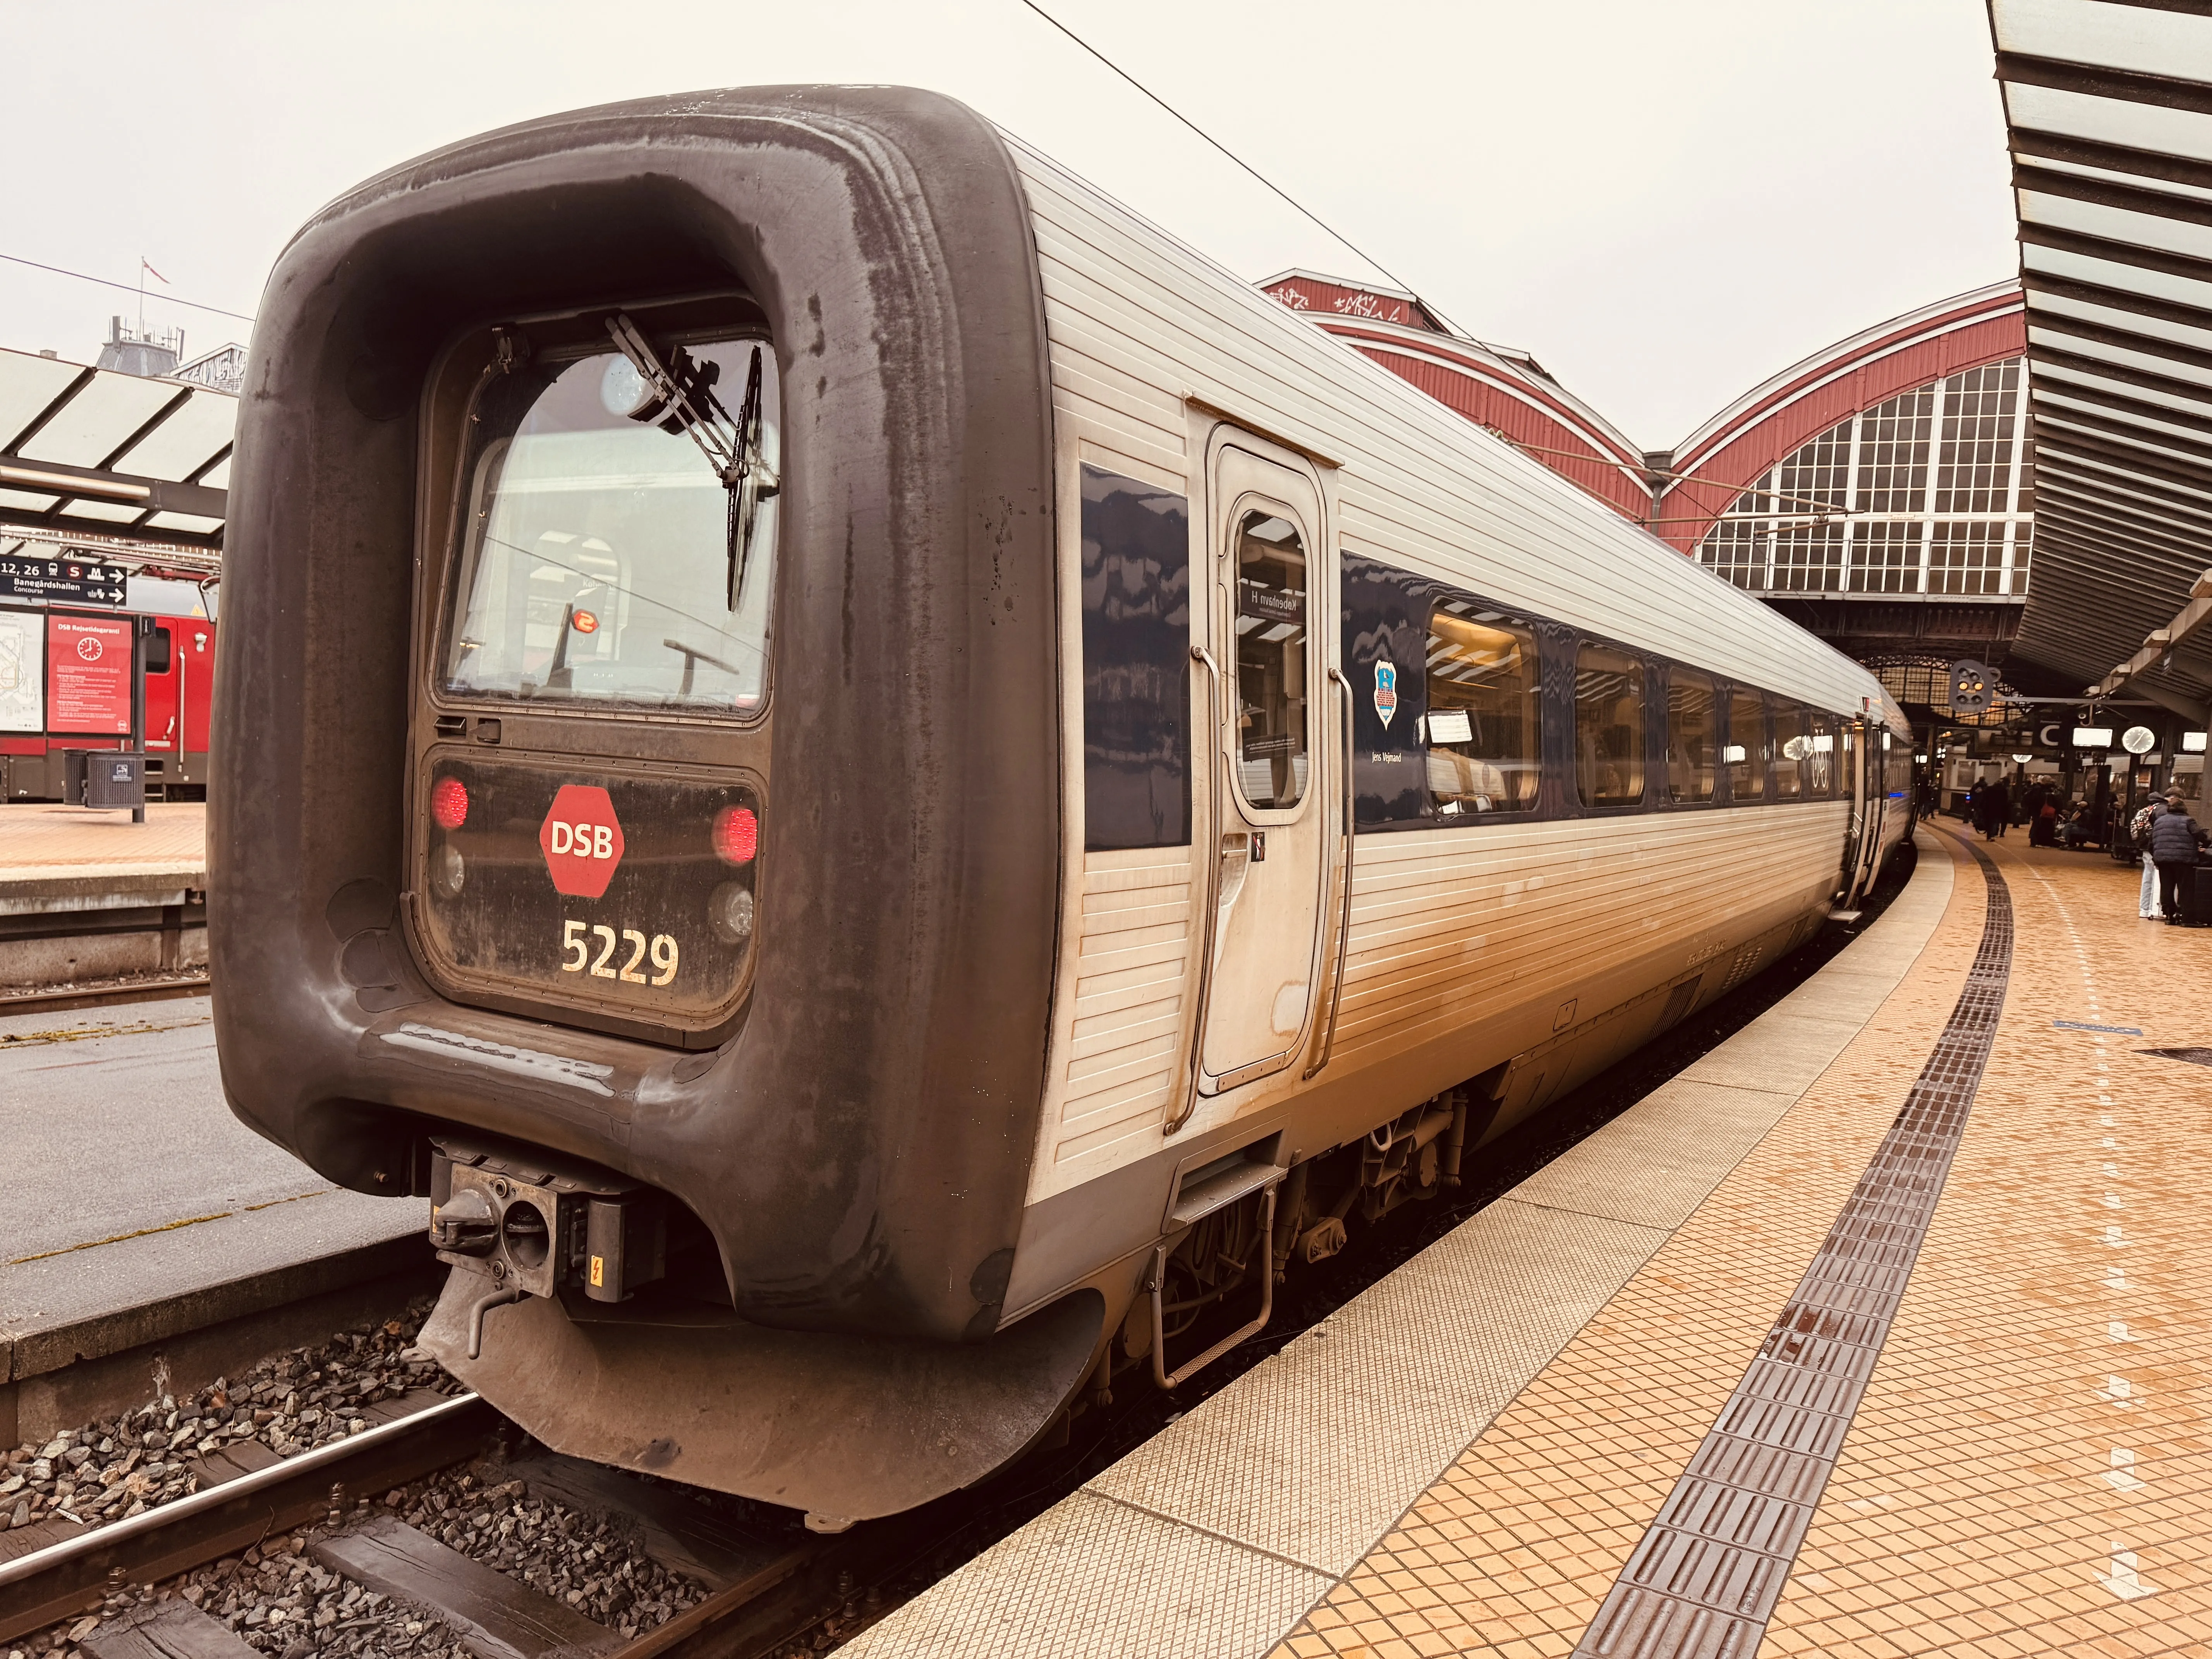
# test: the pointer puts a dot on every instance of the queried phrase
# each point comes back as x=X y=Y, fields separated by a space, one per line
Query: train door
x=195 y=694
x=1875 y=765
x=165 y=701
x=1270 y=807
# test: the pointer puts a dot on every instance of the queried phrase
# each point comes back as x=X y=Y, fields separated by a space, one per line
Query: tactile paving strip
x=1704 y=1580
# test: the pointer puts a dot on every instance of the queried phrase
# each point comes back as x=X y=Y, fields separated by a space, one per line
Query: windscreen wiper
x=678 y=396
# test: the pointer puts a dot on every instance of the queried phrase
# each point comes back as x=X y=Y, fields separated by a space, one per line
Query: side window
x=1746 y=753
x=159 y=655
x=1820 y=756
x=1849 y=738
x=1272 y=705
x=1136 y=663
x=1790 y=749
x=1608 y=726
x=1691 y=728
x=1481 y=726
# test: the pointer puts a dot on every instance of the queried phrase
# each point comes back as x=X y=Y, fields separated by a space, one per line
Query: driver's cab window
x=1272 y=698
x=601 y=560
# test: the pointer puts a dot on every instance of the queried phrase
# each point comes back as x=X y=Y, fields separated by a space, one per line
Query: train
x=893 y=793
x=66 y=683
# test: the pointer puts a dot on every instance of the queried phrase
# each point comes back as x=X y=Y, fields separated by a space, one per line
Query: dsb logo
x=585 y=841
x=582 y=839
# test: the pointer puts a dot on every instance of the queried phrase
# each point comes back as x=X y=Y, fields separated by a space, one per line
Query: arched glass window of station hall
x=1928 y=493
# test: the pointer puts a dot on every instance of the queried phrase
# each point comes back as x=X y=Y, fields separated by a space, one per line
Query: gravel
x=276 y=1597
x=123 y=1466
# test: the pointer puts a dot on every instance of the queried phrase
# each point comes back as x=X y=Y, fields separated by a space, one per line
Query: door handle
x=1344 y=914
x=1211 y=929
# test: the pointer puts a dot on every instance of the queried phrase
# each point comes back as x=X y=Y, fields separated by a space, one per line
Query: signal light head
x=449 y=803
x=737 y=835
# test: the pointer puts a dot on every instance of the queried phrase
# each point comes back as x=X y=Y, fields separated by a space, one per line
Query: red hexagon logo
x=582 y=839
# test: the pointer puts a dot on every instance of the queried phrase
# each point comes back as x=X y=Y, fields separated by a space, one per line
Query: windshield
x=595 y=561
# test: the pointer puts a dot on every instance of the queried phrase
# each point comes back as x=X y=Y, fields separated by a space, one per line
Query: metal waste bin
x=113 y=778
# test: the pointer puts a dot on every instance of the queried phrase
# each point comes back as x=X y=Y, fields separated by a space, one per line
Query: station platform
x=138 y=1218
x=1879 y=1330
x=91 y=898
x=41 y=840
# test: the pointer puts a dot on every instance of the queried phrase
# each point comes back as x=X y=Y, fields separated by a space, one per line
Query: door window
x=1270 y=661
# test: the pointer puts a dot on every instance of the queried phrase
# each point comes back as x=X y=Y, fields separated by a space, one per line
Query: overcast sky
x=1664 y=204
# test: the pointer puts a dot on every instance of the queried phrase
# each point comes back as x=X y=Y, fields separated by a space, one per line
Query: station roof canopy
x=2109 y=107
x=120 y=464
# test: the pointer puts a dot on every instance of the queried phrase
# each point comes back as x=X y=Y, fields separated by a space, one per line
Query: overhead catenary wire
x=1270 y=184
x=128 y=288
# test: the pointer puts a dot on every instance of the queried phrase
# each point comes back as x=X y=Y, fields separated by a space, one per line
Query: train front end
x=635 y=823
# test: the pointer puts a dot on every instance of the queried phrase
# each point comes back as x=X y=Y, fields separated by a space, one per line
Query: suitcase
x=2197 y=897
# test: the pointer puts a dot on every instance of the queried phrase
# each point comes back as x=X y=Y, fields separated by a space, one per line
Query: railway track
x=58 y=999
x=767 y=1590
x=765 y=1594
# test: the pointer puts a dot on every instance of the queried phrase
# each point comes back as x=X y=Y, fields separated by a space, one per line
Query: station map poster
x=88 y=673
x=22 y=671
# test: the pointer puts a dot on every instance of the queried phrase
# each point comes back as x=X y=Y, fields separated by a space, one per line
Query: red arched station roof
x=1505 y=390
x=1713 y=464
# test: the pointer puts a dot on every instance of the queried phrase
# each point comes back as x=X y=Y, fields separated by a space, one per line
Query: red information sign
x=88 y=673
x=582 y=839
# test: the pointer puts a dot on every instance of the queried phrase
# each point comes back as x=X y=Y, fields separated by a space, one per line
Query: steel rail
x=49 y=1584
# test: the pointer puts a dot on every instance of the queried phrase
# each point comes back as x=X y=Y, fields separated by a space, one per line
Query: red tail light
x=737 y=835
x=449 y=803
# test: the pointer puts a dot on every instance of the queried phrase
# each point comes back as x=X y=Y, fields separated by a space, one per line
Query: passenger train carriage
x=892 y=791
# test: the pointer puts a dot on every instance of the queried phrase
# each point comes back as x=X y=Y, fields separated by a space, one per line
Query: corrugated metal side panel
x=1452 y=928
x=1120 y=1062
x=1486 y=405
x=1419 y=483
x=1138 y=326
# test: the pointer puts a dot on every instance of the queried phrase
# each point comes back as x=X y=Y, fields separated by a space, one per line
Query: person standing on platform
x=2146 y=907
x=2173 y=841
x=1996 y=810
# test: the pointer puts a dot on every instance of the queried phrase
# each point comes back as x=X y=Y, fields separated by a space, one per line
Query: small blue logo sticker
x=1386 y=689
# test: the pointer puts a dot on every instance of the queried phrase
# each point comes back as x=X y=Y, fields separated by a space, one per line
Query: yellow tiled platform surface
x=2030 y=1469
x=38 y=841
